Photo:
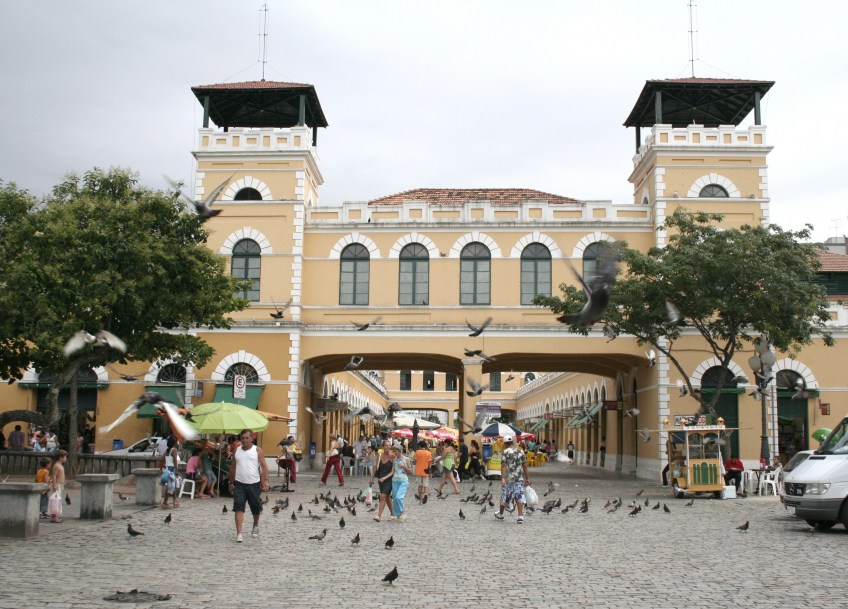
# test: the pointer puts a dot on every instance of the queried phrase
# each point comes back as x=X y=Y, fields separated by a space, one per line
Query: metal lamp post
x=761 y=364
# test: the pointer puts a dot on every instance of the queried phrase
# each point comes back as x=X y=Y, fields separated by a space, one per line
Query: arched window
x=414 y=284
x=248 y=194
x=712 y=191
x=590 y=259
x=247 y=265
x=535 y=272
x=475 y=280
x=529 y=377
x=171 y=373
x=355 y=269
x=242 y=369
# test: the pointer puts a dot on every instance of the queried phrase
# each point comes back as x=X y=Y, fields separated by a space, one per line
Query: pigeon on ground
x=224 y=510
x=365 y=326
x=391 y=576
x=597 y=289
x=743 y=527
x=355 y=540
x=390 y=543
x=657 y=506
x=320 y=536
x=133 y=532
x=665 y=509
x=67 y=499
x=478 y=330
x=461 y=515
x=689 y=503
x=342 y=523
x=168 y=518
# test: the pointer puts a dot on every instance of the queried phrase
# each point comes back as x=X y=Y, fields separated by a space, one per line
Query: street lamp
x=761 y=364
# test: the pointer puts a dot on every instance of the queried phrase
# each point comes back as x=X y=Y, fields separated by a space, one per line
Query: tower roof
x=702 y=101
x=460 y=196
x=260 y=103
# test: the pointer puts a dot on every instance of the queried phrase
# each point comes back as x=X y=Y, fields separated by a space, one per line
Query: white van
x=818 y=487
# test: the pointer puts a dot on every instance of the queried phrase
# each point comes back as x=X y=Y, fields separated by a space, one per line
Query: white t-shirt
x=247 y=465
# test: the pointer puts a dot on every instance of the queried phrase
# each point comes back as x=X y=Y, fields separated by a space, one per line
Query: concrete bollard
x=19 y=509
x=148 y=491
x=96 y=495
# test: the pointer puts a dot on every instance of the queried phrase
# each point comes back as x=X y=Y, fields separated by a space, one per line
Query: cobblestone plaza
x=692 y=557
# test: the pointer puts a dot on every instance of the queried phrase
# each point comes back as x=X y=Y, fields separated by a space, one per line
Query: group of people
x=51 y=471
x=40 y=440
x=200 y=467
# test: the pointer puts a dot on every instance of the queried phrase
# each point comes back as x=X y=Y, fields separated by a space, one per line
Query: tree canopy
x=731 y=286
x=103 y=253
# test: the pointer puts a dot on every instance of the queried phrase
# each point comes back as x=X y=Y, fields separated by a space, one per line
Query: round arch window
x=248 y=194
x=713 y=191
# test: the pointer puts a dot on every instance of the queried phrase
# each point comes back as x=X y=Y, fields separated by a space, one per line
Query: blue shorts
x=247 y=493
x=513 y=491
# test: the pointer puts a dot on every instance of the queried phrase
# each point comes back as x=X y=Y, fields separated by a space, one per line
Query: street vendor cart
x=695 y=459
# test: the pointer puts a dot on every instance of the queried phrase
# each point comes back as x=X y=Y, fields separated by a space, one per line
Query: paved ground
x=693 y=557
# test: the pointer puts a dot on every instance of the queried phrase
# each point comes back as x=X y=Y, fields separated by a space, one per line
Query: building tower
x=265 y=146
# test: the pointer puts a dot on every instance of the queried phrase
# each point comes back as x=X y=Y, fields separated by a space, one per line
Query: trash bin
x=313 y=450
x=117 y=444
x=487 y=452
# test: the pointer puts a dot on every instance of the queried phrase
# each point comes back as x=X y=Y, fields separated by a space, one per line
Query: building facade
x=424 y=266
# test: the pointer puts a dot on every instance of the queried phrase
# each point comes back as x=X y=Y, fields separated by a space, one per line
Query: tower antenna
x=692 y=35
x=263 y=37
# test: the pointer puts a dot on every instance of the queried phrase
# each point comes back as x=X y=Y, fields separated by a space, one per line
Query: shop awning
x=595 y=408
x=537 y=425
x=723 y=390
x=172 y=393
x=224 y=393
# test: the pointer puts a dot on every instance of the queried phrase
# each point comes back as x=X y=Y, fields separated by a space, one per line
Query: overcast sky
x=454 y=93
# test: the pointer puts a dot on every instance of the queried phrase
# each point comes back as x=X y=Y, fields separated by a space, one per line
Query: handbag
x=531 y=498
x=166 y=476
x=54 y=504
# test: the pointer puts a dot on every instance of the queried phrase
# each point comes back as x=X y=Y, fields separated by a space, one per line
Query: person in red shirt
x=734 y=468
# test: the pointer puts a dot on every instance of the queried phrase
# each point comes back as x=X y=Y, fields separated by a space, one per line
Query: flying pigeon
x=361 y=327
x=278 y=312
x=477 y=331
x=645 y=435
x=674 y=316
x=632 y=412
x=101 y=339
x=354 y=362
x=203 y=208
x=477 y=353
x=178 y=423
x=610 y=333
x=477 y=388
x=682 y=388
x=652 y=357
x=319 y=419
x=597 y=290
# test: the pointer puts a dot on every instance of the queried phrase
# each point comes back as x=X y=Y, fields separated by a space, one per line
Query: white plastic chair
x=183 y=490
x=348 y=465
x=769 y=480
x=749 y=480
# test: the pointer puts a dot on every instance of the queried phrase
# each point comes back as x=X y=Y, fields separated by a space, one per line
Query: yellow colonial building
x=423 y=266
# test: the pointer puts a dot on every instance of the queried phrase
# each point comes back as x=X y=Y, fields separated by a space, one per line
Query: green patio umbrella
x=821 y=434
x=223 y=417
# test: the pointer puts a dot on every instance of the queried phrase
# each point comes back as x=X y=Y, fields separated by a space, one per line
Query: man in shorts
x=514 y=477
x=248 y=477
x=423 y=458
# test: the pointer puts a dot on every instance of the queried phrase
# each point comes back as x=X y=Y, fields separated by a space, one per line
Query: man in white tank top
x=248 y=475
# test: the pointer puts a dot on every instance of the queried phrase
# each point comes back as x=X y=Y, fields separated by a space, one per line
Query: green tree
x=102 y=253
x=731 y=286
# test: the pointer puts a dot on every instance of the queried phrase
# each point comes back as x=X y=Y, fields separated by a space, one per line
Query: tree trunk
x=71 y=465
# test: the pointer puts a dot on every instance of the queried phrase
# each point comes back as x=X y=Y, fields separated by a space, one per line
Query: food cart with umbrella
x=442 y=434
x=226 y=418
x=491 y=436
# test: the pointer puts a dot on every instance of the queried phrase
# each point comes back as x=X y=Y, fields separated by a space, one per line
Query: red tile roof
x=833 y=263
x=460 y=196
x=254 y=84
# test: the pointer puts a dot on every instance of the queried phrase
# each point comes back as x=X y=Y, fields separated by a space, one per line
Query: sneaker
x=499 y=516
x=520 y=520
x=239 y=538
x=255 y=532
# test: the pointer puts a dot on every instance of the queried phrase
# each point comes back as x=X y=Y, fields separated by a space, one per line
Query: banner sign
x=239 y=386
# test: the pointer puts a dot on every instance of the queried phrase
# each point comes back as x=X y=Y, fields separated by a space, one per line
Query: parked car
x=818 y=487
x=796 y=460
x=142 y=447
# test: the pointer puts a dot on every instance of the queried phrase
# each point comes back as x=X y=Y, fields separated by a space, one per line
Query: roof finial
x=263 y=38
x=692 y=35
